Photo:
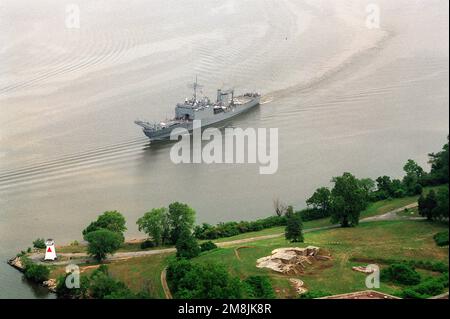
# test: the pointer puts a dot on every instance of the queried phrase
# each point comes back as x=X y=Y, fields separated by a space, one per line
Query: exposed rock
x=362 y=269
x=298 y=285
x=17 y=263
x=292 y=260
x=50 y=284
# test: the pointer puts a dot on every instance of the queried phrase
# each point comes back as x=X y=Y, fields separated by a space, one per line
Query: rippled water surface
x=344 y=98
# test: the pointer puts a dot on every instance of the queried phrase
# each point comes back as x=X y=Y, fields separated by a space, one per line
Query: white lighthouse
x=50 y=252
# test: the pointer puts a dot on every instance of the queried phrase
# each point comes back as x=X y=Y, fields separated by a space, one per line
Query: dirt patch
x=298 y=286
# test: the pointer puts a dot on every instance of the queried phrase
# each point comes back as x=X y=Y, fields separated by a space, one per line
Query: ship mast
x=195 y=86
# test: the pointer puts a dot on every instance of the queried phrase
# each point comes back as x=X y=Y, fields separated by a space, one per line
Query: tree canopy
x=156 y=224
x=111 y=220
x=103 y=242
x=348 y=200
x=181 y=217
x=188 y=280
x=294 y=226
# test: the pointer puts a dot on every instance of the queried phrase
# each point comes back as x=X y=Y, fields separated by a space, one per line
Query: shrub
x=36 y=273
x=441 y=238
x=314 y=294
x=39 y=243
x=313 y=214
x=102 y=286
x=187 y=246
x=147 y=244
x=430 y=287
x=63 y=292
x=189 y=280
x=206 y=246
x=259 y=287
x=401 y=273
x=222 y=230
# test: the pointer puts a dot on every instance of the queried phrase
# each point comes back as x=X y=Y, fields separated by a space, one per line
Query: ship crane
x=221 y=94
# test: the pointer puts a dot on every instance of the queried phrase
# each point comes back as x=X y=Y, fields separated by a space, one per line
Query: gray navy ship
x=225 y=107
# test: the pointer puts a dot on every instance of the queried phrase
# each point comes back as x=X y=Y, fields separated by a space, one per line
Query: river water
x=343 y=96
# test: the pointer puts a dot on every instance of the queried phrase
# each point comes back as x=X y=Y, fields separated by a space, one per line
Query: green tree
x=39 y=243
x=37 y=273
x=413 y=178
x=348 y=200
x=368 y=186
x=439 y=166
x=103 y=242
x=188 y=280
x=259 y=287
x=187 y=246
x=103 y=286
x=112 y=220
x=412 y=168
x=181 y=217
x=384 y=186
x=294 y=226
x=427 y=204
x=62 y=292
x=441 y=210
x=321 y=200
x=155 y=224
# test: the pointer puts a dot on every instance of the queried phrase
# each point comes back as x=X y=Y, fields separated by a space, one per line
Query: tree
x=280 y=208
x=294 y=226
x=321 y=200
x=35 y=272
x=155 y=224
x=441 y=210
x=412 y=168
x=427 y=204
x=112 y=220
x=39 y=243
x=384 y=186
x=439 y=166
x=63 y=292
x=181 y=217
x=413 y=178
x=368 y=186
x=259 y=287
x=188 y=280
x=187 y=246
x=103 y=286
x=348 y=200
x=103 y=242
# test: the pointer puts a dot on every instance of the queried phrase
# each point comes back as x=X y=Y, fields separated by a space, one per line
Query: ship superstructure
x=202 y=108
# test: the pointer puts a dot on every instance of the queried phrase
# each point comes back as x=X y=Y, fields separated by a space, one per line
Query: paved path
x=392 y=215
x=165 y=285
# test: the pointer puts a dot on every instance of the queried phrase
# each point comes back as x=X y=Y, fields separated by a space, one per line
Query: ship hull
x=164 y=134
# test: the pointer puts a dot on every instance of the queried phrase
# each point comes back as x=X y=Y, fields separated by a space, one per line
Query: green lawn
x=142 y=273
x=395 y=239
